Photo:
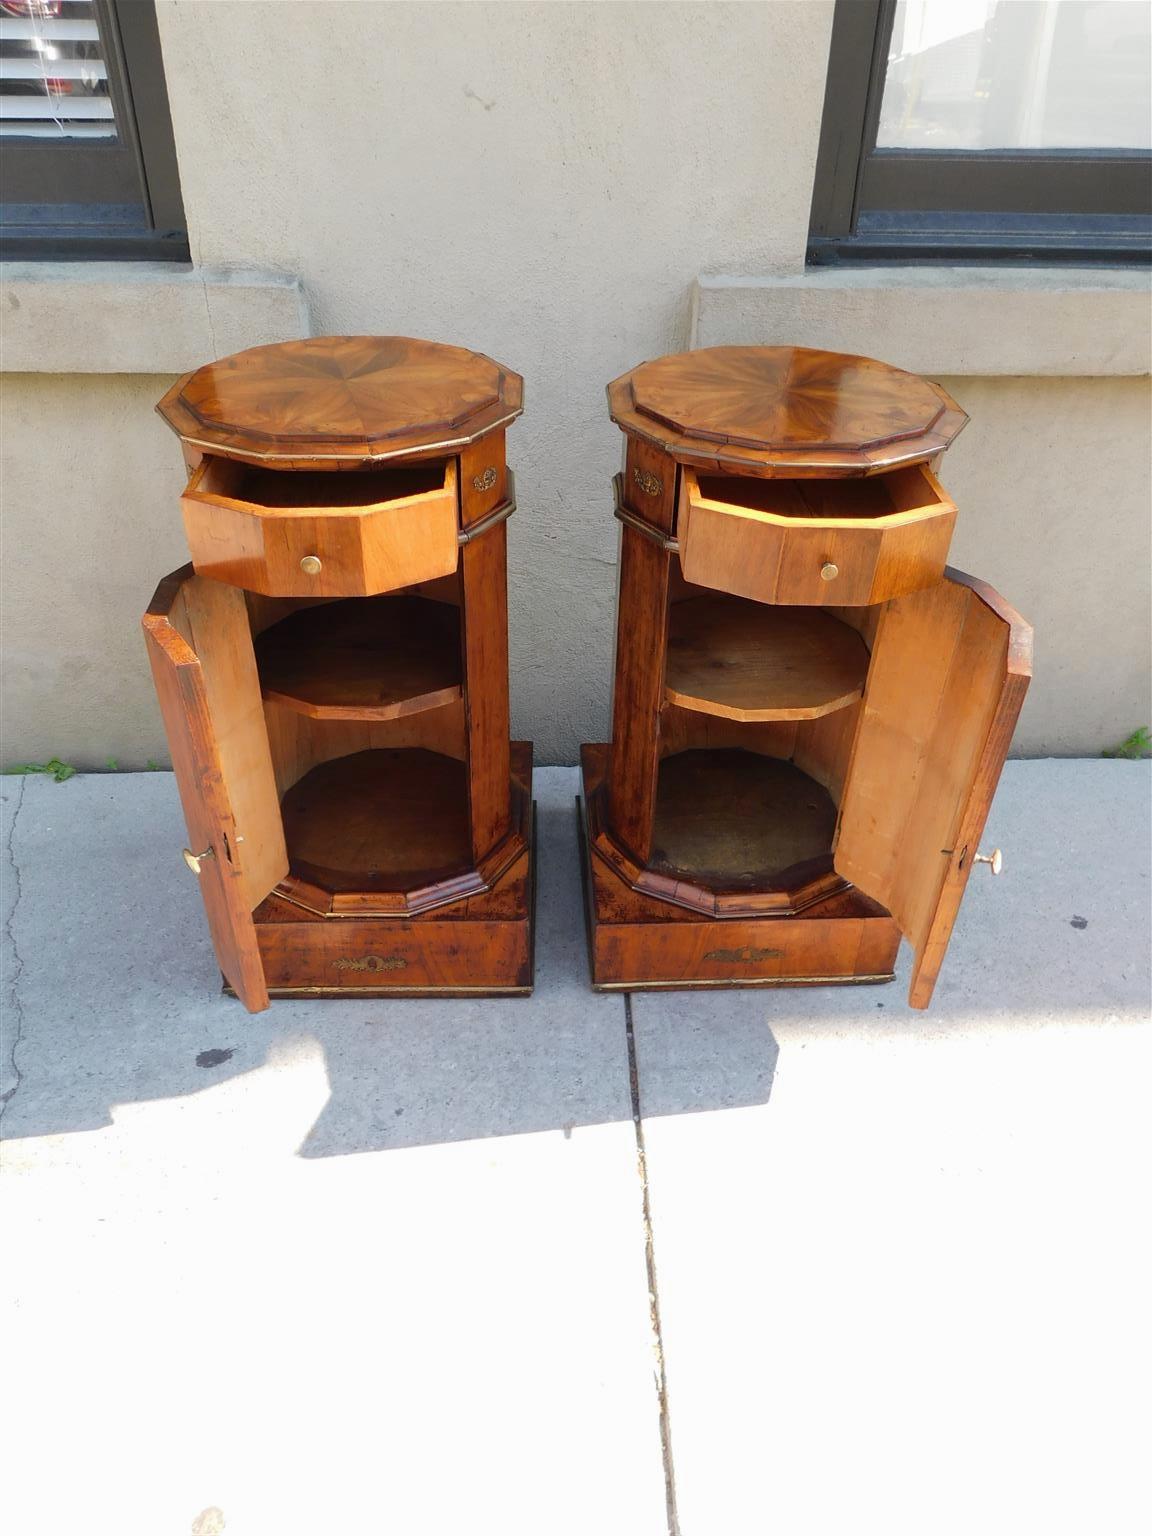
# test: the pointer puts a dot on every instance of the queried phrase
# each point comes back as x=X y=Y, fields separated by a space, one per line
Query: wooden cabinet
x=293 y=534
x=811 y=710
x=333 y=671
x=850 y=542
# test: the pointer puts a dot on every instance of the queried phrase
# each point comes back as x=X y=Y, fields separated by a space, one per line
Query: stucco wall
x=1051 y=479
x=542 y=182
x=91 y=518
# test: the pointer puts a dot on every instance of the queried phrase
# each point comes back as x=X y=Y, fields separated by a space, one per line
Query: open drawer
x=848 y=542
x=307 y=533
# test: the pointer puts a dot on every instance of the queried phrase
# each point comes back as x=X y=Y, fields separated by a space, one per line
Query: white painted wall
x=543 y=182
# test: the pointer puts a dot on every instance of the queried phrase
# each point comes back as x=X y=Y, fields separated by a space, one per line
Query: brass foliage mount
x=649 y=483
x=371 y=963
x=484 y=481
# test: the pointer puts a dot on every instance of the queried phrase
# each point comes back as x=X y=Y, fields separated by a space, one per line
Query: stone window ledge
x=118 y=317
x=942 y=320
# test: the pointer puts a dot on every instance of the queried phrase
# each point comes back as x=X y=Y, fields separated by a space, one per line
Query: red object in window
x=38 y=10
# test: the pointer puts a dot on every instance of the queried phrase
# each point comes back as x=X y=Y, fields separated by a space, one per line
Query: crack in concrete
x=653 y=1286
x=18 y=967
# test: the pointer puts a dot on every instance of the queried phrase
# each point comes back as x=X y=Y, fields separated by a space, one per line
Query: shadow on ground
x=117 y=1001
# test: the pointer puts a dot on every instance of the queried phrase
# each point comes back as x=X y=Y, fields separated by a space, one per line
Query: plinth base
x=481 y=946
x=637 y=942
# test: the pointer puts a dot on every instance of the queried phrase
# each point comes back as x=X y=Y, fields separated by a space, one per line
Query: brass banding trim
x=421 y=451
x=494 y=518
x=501 y=514
x=742 y=981
x=633 y=519
x=657 y=535
x=390 y=991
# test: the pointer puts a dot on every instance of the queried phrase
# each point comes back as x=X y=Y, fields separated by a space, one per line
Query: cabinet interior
x=870 y=498
x=754 y=758
x=260 y=486
x=364 y=710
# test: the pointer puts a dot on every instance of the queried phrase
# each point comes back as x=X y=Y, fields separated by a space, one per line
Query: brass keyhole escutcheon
x=828 y=571
x=994 y=860
x=194 y=860
x=311 y=565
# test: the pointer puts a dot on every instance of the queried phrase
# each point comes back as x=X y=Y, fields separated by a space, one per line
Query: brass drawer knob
x=311 y=565
x=828 y=571
x=194 y=860
x=995 y=860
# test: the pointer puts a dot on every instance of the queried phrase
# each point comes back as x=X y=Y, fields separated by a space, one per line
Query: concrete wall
x=91 y=519
x=1051 y=477
x=543 y=182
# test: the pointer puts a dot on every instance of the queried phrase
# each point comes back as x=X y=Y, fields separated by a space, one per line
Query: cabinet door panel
x=200 y=649
x=949 y=671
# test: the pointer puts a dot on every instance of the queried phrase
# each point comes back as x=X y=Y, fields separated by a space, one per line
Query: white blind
x=53 y=75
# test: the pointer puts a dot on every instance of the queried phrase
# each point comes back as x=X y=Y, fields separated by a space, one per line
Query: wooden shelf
x=376 y=658
x=385 y=820
x=756 y=661
x=734 y=820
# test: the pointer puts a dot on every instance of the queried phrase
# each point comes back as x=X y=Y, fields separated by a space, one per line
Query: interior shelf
x=374 y=658
x=760 y=661
x=385 y=820
x=735 y=819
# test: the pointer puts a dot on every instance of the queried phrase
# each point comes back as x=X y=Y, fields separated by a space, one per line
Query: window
x=977 y=129
x=87 y=163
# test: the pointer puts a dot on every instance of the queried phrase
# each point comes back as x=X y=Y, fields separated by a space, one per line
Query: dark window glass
x=972 y=129
x=87 y=164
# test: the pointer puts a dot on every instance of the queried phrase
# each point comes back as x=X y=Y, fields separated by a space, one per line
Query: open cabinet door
x=950 y=668
x=200 y=647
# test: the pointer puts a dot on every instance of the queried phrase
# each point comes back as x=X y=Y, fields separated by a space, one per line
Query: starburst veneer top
x=342 y=400
x=791 y=408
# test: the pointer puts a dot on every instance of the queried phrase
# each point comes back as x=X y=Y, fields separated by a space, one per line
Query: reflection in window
x=53 y=74
x=1018 y=74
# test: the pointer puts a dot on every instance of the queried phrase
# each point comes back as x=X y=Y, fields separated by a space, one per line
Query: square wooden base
x=638 y=942
x=482 y=946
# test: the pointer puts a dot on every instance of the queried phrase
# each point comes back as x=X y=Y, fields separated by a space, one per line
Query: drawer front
x=850 y=562
x=345 y=551
x=396 y=955
x=331 y=555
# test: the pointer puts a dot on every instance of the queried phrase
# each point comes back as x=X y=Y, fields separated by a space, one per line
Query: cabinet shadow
x=117 y=1000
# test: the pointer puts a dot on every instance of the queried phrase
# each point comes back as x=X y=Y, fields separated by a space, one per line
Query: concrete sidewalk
x=376 y=1267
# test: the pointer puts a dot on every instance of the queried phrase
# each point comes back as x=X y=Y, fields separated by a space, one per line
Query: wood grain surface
x=816 y=542
x=638 y=694
x=374 y=658
x=263 y=529
x=333 y=402
x=735 y=820
x=638 y=941
x=752 y=661
x=949 y=673
x=387 y=819
x=794 y=410
x=200 y=650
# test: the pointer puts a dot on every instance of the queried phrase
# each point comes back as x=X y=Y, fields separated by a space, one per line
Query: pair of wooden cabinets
x=810 y=711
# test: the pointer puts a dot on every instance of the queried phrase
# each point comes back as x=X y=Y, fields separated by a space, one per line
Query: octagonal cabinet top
x=784 y=411
x=333 y=402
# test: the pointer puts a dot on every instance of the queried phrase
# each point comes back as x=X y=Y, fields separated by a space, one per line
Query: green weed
x=53 y=767
x=1139 y=744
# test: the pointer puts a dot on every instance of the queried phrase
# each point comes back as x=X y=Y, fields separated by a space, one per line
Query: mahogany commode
x=333 y=670
x=810 y=710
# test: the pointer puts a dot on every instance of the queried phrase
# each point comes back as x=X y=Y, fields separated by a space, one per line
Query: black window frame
x=873 y=205
x=90 y=200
